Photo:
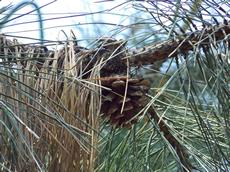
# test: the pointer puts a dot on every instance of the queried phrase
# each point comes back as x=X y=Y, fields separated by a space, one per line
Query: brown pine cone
x=113 y=100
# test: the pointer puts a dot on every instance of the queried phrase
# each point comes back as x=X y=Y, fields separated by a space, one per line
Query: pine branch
x=179 y=149
x=160 y=51
x=181 y=45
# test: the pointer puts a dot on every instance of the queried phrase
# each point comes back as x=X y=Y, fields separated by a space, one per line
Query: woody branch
x=181 y=45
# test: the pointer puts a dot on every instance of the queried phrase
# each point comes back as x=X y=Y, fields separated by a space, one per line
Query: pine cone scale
x=118 y=111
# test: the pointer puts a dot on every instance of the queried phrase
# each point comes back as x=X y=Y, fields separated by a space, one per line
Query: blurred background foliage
x=50 y=115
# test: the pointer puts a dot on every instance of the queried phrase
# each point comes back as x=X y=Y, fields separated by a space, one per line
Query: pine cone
x=113 y=100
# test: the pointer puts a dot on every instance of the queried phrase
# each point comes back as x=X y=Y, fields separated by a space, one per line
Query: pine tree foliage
x=161 y=106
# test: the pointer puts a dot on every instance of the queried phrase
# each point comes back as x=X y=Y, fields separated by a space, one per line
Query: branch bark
x=179 y=149
x=181 y=45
